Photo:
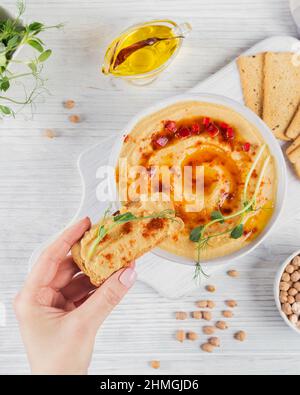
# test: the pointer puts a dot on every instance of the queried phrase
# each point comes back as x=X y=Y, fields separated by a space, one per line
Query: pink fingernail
x=128 y=277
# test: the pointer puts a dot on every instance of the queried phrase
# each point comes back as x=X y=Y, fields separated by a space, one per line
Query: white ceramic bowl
x=268 y=137
x=277 y=291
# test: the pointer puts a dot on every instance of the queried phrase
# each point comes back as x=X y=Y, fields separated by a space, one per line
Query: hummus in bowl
x=232 y=157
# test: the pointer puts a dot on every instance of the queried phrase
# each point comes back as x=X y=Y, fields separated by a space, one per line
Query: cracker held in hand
x=281 y=92
x=251 y=74
x=293 y=130
x=118 y=240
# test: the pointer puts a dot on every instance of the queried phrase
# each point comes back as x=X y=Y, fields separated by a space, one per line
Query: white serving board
x=168 y=278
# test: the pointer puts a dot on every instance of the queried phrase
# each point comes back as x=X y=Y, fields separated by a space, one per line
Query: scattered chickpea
x=211 y=288
x=233 y=273
x=180 y=336
x=240 y=336
x=202 y=304
x=181 y=315
x=49 y=133
x=211 y=304
x=74 y=118
x=209 y=330
x=222 y=325
x=214 y=341
x=207 y=347
x=155 y=364
x=231 y=303
x=69 y=104
x=290 y=269
x=227 y=314
x=207 y=316
x=198 y=315
x=192 y=336
x=286 y=277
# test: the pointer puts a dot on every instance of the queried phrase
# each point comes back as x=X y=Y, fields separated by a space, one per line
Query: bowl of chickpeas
x=287 y=291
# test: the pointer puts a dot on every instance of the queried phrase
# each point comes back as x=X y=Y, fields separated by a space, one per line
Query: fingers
x=46 y=267
x=98 y=306
x=78 y=288
x=65 y=273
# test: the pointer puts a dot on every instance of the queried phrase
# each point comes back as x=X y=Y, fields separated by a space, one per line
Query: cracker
x=293 y=146
x=281 y=92
x=297 y=168
x=294 y=156
x=293 y=131
x=126 y=242
x=251 y=75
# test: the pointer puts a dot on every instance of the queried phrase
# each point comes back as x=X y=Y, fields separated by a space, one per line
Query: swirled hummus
x=225 y=145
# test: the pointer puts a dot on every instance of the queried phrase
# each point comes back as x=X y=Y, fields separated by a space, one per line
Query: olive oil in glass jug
x=143 y=51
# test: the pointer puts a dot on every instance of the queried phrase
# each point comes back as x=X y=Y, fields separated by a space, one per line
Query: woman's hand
x=60 y=311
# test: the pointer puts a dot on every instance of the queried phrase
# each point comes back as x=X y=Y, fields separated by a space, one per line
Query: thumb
x=100 y=304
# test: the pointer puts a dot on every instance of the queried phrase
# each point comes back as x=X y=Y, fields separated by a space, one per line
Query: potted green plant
x=13 y=37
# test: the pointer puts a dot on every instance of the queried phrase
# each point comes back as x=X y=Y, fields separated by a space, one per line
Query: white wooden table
x=40 y=187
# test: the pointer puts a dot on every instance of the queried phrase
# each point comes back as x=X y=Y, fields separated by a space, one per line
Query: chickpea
x=211 y=304
x=192 y=336
x=211 y=288
x=49 y=133
x=214 y=341
x=231 y=303
x=207 y=347
x=285 y=277
x=227 y=314
x=197 y=315
x=222 y=325
x=202 y=304
x=292 y=291
x=297 y=286
x=290 y=269
x=283 y=299
x=181 y=315
x=240 y=336
x=290 y=299
x=233 y=273
x=155 y=364
x=293 y=319
x=207 y=316
x=283 y=286
x=180 y=336
x=295 y=276
x=296 y=308
x=296 y=261
x=209 y=330
x=287 y=308
x=297 y=297
x=69 y=104
x=74 y=118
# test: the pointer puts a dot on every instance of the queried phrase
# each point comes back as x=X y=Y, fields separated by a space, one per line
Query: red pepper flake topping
x=206 y=121
x=224 y=125
x=183 y=133
x=213 y=130
x=195 y=128
x=160 y=141
x=246 y=147
x=229 y=134
x=171 y=126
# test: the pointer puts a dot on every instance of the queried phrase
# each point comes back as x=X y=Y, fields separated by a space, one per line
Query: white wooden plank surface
x=40 y=188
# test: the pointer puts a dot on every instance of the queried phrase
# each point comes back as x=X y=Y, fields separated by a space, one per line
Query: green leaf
x=5 y=110
x=32 y=67
x=45 y=55
x=4 y=84
x=35 y=27
x=124 y=218
x=217 y=215
x=196 y=233
x=36 y=45
x=3 y=60
x=237 y=232
x=102 y=232
x=14 y=41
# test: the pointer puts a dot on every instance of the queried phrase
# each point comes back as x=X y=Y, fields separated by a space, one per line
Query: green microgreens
x=13 y=35
x=199 y=234
x=120 y=219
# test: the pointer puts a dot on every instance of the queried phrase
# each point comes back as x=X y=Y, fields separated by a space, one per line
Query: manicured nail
x=128 y=277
